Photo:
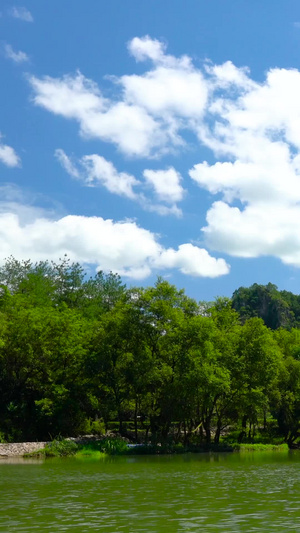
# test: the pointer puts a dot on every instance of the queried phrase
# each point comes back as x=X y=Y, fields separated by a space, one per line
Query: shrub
x=60 y=448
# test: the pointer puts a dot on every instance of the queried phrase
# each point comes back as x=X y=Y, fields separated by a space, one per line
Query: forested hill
x=278 y=309
x=78 y=353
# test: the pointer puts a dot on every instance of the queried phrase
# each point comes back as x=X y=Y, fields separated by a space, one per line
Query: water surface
x=210 y=493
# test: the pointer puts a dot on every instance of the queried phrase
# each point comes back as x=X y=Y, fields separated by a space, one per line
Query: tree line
x=77 y=352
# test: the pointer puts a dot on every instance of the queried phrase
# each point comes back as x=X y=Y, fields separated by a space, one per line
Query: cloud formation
x=94 y=171
x=258 y=132
x=17 y=57
x=120 y=246
x=145 y=119
x=252 y=130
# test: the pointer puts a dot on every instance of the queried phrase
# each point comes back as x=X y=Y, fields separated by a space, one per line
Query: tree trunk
x=242 y=434
x=207 y=428
x=218 y=432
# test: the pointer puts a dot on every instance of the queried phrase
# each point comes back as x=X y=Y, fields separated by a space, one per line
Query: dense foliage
x=77 y=353
x=276 y=308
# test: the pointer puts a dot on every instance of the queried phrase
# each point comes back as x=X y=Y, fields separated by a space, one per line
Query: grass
x=86 y=452
x=259 y=447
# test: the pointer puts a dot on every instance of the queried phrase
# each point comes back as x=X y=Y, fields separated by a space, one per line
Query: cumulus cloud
x=173 y=87
x=120 y=246
x=256 y=128
x=251 y=128
x=8 y=155
x=145 y=115
x=256 y=231
x=21 y=13
x=228 y=75
x=17 y=57
x=146 y=48
x=166 y=183
x=128 y=126
x=72 y=97
x=193 y=261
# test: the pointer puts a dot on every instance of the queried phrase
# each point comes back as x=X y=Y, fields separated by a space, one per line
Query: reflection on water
x=213 y=493
x=20 y=461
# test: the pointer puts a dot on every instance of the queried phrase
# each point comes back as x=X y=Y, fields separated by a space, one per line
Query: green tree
x=257 y=370
x=42 y=368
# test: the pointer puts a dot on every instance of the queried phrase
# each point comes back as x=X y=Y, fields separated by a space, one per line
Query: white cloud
x=166 y=183
x=145 y=115
x=17 y=57
x=256 y=128
x=128 y=126
x=268 y=176
x=72 y=97
x=8 y=155
x=193 y=261
x=146 y=48
x=21 y=13
x=273 y=229
x=228 y=75
x=121 y=246
x=100 y=170
x=252 y=128
x=179 y=91
x=94 y=170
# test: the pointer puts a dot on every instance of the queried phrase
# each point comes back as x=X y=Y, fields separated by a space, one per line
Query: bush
x=60 y=448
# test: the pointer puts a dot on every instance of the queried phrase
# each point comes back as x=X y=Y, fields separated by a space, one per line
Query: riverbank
x=93 y=447
x=19 y=449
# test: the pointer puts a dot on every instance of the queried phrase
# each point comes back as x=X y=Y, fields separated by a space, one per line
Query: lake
x=210 y=493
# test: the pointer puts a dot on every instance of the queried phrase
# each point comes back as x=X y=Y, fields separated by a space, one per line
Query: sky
x=157 y=138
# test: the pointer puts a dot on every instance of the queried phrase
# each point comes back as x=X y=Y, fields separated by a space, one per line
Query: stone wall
x=19 y=448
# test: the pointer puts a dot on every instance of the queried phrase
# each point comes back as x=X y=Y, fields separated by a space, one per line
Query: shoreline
x=31 y=449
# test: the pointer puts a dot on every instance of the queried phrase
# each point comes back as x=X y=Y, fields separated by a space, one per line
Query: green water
x=226 y=492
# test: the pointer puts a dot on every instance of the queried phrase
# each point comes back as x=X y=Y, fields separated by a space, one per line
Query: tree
x=42 y=361
x=287 y=401
x=257 y=369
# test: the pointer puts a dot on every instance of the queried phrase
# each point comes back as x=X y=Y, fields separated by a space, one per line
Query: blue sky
x=154 y=138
